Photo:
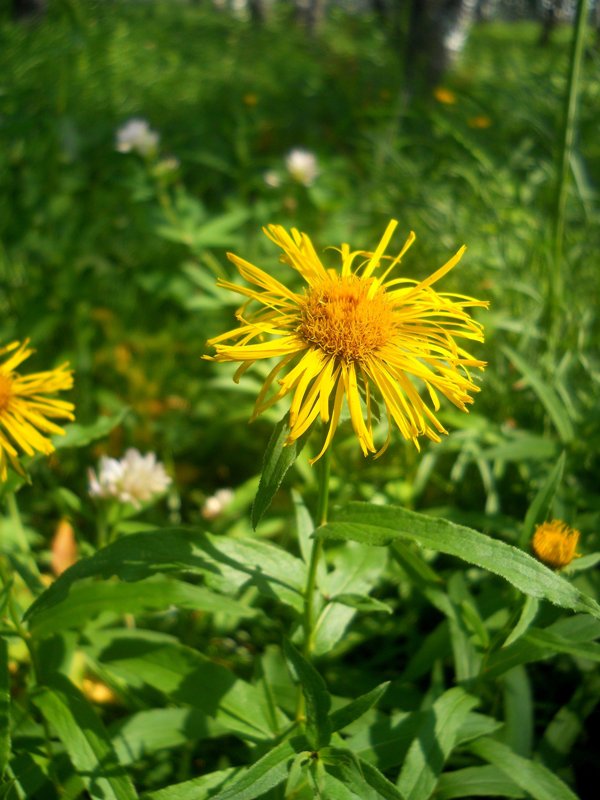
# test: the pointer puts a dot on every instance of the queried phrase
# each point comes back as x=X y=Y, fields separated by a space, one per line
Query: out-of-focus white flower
x=217 y=503
x=302 y=166
x=133 y=479
x=138 y=137
x=272 y=178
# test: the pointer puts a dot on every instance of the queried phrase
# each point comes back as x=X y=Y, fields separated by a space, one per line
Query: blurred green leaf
x=4 y=706
x=538 y=510
x=77 y=435
x=528 y=613
x=382 y=525
x=84 y=738
x=546 y=394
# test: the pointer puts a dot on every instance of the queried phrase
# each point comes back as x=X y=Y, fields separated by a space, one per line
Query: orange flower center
x=344 y=317
x=5 y=391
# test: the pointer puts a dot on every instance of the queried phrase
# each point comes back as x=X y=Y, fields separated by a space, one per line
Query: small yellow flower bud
x=554 y=543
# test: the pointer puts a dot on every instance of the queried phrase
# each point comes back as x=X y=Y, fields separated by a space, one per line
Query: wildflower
x=554 y=543
x=64 y=547
x=138 y=137
x=481 y=122
x=25 y=412
x=302 y=166
x=250 y=99
x=272 y=178
x=445 y=96
x=353 y=333
x=215 y=505
x=98 y=692
x=134 y=479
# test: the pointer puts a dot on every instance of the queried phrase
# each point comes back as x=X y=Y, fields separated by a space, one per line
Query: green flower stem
x=317 y=548
x=311 y=579
x=567 y=139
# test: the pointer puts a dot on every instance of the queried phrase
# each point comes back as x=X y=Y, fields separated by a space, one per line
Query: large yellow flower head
x=25 y=411
x=356 y=332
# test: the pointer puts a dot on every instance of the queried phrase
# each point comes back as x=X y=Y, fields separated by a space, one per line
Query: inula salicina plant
x=384 y=586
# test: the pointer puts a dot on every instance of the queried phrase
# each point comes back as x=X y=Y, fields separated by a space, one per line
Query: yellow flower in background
x=25 y=411
x=554 y=543
x=353 y=333
x=481 y=122
x=445 y=96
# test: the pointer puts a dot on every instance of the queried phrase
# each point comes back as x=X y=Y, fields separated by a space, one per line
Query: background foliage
x=109 y=260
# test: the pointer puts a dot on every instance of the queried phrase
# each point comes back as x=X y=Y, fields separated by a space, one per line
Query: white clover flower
x=138 y=137
x=134 y=479
x=217 y=503
x=272 y=178
x=302 y=166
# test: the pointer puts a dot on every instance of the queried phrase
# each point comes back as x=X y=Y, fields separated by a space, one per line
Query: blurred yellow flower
x=479 y=122
x=554 y=543
x=250 y=99
x=25 y=412
x=445 y=96
x=351 y=332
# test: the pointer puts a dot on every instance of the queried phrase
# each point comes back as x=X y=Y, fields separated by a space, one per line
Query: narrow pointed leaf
x=436 y=738
x=318 y=699
x=486 y=781
x=4 y=706
x=279 y=457
x=540 y=506
x=383 y=525
x=535 y=779
x=84 y=738
x=352 y=711
x=268 y=772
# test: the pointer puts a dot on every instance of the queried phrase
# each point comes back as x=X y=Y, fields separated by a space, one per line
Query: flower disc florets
x=555 y=543
x=344 y=317
x=350 y=334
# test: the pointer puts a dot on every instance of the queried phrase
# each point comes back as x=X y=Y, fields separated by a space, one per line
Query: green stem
x=15 y=517
x=317 y=548
x=311 y=578
x=567 y=139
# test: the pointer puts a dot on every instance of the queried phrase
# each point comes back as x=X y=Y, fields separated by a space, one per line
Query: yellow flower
x=479 y=122
x=443 y=95
x=353 y=333
x=25 y=411
x=554 y=543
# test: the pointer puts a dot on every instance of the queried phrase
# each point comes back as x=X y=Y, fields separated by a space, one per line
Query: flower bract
x=25 y=410
x=555 y=543
x=357 y=332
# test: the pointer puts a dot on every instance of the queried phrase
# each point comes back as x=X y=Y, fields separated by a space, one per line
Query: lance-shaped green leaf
x=534 y=778
x=151 y=664
x=88 y=599
x=278 y=458
x=201 y=788
x=228 y=562
x=358 y=775
x=318 y=699
x=383 y=525
x=528 y=614
x=486 y=781
x=268 y=772
x=540 y=506
x=436 y=738
x=84 y=738
x=346 y=715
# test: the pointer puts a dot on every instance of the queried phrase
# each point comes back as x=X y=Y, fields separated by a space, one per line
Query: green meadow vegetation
x=244 y=624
